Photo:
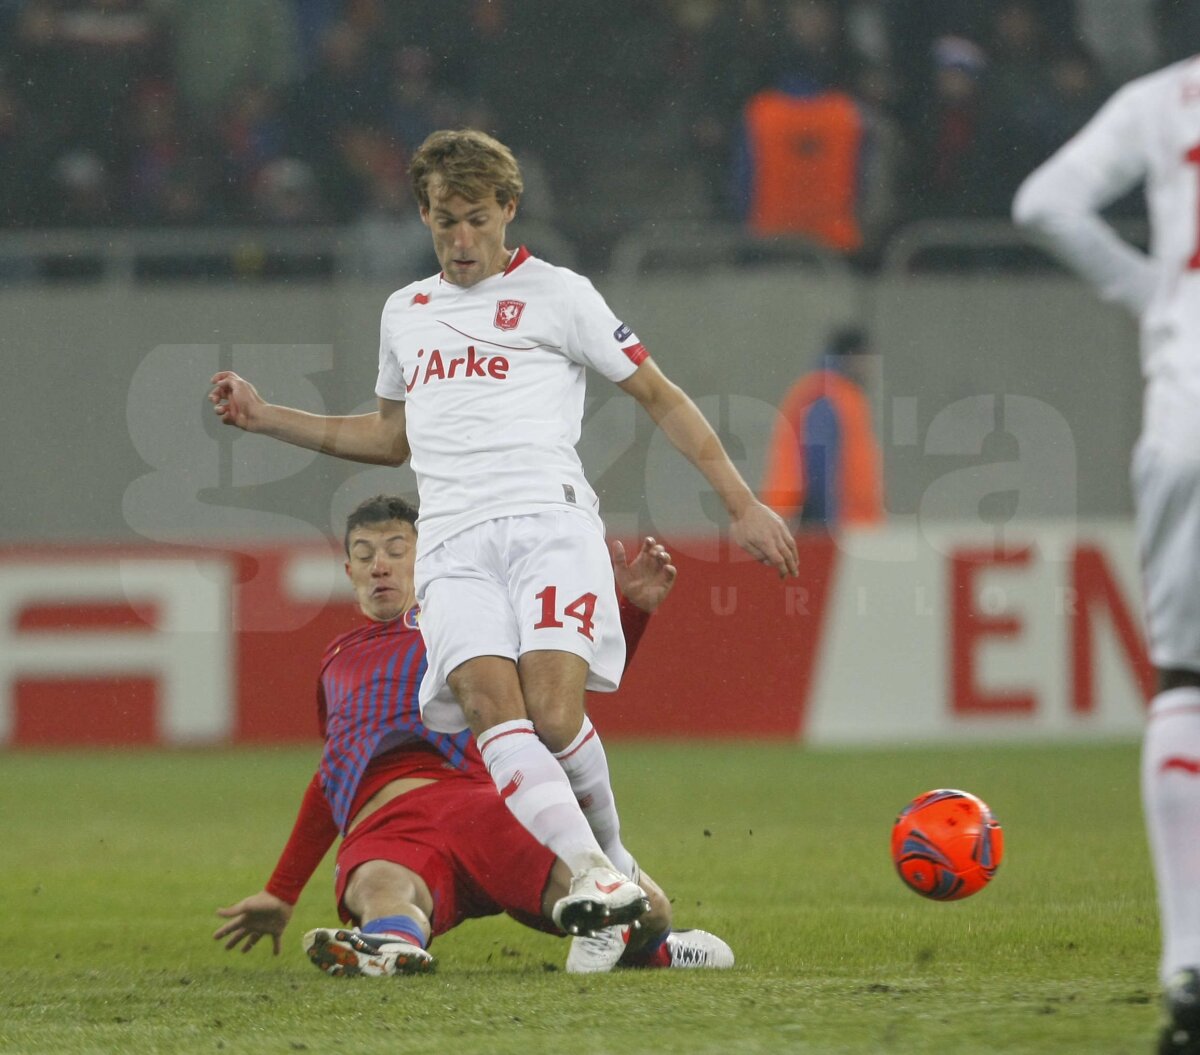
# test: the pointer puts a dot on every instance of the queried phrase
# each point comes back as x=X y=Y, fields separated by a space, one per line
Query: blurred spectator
x=818 y=101
x=285 y=192
x=388 y=242
x=183 y=198
x=314 y=19
x=538 y=202
x=167 y=180
x=867 y=30
x=824 y=462
x=697 y=113
x=374 y=18
x=415 y=107
x=943 y=176
x=1120 y=33
x=9 y=10
x=998 y=100
x=1176 y=27
x=801 y=162
x=1018 y=41
x=222 y=45
x=79 y=61
x=250 y=136
x=876 y=89
x=366 y=160
x=1040 y=88
x=82 y=189
x=346 y=86
x=913 y=28
x=346 y=91
x=1076 y=88
x=42 y=70
x=24 y=150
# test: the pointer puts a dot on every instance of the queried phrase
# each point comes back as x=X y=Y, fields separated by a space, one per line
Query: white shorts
x=1166 y=489
x=514 y=585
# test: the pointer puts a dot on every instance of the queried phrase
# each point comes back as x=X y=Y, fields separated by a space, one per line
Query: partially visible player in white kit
x=1149 y=132
x=481 y=376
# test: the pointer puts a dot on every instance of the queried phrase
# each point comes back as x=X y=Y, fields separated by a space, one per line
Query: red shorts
x=459 y=837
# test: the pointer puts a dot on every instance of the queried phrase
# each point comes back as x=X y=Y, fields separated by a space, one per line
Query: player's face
x=380 y=567
x=468 y=236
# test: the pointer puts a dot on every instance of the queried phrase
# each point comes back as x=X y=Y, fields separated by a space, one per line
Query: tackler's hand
x=647 y=579
x=252 y=918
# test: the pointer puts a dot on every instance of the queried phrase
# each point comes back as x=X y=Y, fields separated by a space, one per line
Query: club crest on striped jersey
x=508 y=314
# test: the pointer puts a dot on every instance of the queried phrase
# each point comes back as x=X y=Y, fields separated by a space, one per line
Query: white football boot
x=599 y=898
x=596 y=953
x=346 y=953
x=698 y=948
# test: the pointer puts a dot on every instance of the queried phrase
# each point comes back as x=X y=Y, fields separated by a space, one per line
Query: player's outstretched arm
x=268 y=911
x=1059 y=204
x=647 y=579
x=754 y=527
x=378 y=438
x=252 y=918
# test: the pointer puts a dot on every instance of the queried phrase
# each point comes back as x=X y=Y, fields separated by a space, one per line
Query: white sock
x=586 y=766
x=537 y=792
x=1171 y=799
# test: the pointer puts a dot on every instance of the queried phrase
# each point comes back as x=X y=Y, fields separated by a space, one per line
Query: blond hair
x=469 y=163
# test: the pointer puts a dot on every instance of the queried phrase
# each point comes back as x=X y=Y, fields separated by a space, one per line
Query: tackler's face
x=468 y=236
x=380 y=567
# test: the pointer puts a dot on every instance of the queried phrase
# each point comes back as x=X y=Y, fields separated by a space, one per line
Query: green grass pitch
x=113 y=862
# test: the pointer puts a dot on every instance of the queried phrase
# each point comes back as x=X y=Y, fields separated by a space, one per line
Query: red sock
x=656 y=954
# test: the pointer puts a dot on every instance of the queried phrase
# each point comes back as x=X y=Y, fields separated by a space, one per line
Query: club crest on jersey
x=508 y=314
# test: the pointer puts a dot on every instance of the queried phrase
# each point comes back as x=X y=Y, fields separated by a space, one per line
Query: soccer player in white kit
x=481 y=379
x=1149 y=132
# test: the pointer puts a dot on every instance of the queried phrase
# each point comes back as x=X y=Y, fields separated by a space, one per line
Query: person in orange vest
x=799 y=162
x=824 y=461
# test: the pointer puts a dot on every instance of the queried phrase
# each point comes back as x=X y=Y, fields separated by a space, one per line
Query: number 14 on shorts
x=582 y=608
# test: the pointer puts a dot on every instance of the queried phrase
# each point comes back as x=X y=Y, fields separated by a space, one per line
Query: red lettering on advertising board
x=971 y=628
x=1096 y=591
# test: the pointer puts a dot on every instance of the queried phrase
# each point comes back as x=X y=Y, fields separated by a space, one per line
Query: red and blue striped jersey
x=367 y=703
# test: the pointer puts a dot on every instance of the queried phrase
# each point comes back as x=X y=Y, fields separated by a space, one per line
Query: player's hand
x=648 y=578
x=761 y=532
x=235 y=400
x=253 y=917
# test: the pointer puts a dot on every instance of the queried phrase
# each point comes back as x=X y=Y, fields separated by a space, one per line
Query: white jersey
x=1148 y=131
x=493 y=378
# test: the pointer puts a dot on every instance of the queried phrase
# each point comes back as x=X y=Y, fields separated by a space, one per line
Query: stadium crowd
x=196 y=112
